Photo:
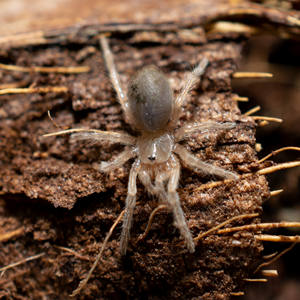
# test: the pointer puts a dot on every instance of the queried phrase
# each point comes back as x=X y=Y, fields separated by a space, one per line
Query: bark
x=52 y=193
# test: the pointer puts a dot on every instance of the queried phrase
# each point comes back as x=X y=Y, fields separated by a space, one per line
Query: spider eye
x=152 y=157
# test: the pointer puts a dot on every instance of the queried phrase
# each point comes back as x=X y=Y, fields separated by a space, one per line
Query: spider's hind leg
x=193 y=161
x=170 y=198
x=130 y=204
x=174 y=202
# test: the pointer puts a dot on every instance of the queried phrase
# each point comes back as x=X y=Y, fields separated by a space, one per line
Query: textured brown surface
x=25 y=22
x=61 y=171
x=16 y=17
x=39 y=174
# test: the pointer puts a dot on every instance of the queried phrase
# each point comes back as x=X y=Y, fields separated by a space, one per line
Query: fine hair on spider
x=154 y=112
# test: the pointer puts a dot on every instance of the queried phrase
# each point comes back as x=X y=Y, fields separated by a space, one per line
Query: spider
x=154 y=111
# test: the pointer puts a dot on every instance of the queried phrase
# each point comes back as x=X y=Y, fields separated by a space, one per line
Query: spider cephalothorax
x=154 y=112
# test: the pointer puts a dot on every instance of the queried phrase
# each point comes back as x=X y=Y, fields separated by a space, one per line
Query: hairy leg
x=209 y=125
x=130 y=204
x=193 y=77
x=97 y=136
x=118 y=162
x=171 y=198
x=114 y=76
x=174 y=202
x=193 y=161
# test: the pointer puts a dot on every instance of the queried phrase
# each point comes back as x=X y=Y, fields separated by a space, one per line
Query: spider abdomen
x=150 y=99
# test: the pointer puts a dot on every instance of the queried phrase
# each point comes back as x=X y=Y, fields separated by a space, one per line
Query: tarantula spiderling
x=154 y=112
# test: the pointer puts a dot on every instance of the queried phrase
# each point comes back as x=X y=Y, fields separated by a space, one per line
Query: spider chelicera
x=151 y=107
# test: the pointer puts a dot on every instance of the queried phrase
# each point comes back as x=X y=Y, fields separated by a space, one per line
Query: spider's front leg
x=187 y=129
x=130 y=204
x=95 y=136
x=192 y=78
x=118 y=162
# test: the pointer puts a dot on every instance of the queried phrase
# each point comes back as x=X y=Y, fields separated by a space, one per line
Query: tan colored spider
x=154 y=112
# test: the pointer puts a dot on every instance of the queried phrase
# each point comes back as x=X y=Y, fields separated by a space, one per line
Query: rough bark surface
x=54 y=195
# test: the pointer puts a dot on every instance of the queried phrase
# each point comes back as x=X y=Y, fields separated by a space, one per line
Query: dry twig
x=14 y=85
x=252 y=75
x=64 y=70
x=255 y=279
x=257 y=227
x=278 y=151
x=39 y=89
x=264 y=171
x=240 y=99
x=201 y=235
x=252 y=111
x=275 y=258
x=277 y=238
x=21 y=261
x=271 y=119
x=151 y=220
x=263 y=123
x=84 y=281
x=73 y=252
x=270 y=255
x=237 y=294
x=11 y=234
x=55 y=124
x=275 y=193
x=269 y=273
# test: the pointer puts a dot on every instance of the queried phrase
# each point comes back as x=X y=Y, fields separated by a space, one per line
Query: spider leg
x=174 y=202
x=114 y=76
x=130 y=204
x=118 y=162
x=171 y=199
x=209 y=125
x=193 y=77
x=193 y=161
x=97 y=136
